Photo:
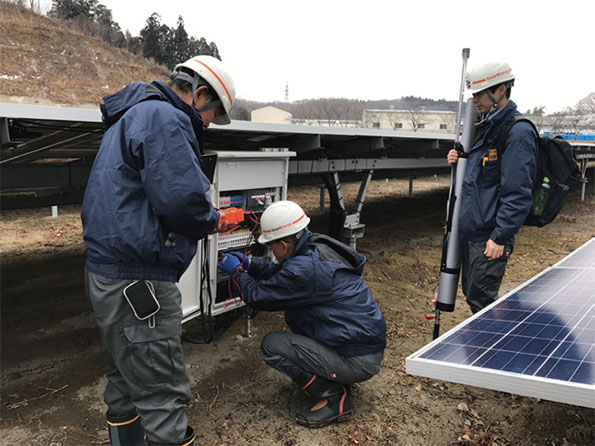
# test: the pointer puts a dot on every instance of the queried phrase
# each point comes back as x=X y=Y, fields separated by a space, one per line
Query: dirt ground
x=53 y=363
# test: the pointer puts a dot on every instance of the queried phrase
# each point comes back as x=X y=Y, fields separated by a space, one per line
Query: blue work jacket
x=146 y=183
x=321 y=290
x=497 y=189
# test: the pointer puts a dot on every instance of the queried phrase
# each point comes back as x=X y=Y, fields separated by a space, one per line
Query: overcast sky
x=372 y=49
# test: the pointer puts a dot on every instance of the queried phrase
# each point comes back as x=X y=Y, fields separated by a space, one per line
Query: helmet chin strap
x=195 y=81
x=495 y=102
x=212 y=104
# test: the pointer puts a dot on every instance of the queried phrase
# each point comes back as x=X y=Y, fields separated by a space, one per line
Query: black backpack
x=555 y=160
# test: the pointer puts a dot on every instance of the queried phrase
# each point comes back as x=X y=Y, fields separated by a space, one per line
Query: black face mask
x=214 y=103
x=197 y=125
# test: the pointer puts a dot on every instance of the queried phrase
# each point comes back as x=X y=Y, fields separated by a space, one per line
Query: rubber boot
x=187 y=441
x=333 y=403
x=125 y=430
x=189 y=438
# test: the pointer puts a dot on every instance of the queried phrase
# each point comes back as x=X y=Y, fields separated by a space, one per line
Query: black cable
x=207 y=330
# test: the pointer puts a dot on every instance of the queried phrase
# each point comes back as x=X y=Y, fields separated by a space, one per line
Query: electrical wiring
x=232 y=278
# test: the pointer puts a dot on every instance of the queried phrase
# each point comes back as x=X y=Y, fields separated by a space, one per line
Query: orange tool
x=232 y=215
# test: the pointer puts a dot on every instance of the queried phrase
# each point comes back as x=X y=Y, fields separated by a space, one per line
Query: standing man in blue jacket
x=497 y=188
x=146 y=205
x=338 y=333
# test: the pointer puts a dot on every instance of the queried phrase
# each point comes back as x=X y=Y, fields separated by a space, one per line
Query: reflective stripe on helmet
x=217 y=77
x=285 y=226
x=492 y=77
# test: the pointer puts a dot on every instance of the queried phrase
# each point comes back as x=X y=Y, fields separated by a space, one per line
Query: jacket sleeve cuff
x=498 y=238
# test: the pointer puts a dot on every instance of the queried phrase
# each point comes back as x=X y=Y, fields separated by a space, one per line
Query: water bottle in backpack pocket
x=540 y=198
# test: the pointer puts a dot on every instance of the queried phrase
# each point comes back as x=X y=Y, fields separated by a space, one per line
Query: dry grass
x=43 y=60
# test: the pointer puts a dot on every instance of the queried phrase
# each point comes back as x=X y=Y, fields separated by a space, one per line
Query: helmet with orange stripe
x=209 y=71
x=489 y=75
x=282 y=219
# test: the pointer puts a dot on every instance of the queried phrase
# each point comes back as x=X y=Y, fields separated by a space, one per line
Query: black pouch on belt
x=140 y=295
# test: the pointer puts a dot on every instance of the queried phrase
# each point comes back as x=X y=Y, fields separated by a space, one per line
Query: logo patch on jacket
x=493 y=155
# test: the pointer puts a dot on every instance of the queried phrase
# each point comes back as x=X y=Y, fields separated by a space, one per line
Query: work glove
x=244 y=259
x=229 y=264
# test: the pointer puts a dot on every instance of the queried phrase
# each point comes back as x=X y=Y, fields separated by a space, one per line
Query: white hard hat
x=281 y=219
x=487 y=75
x=214 y=73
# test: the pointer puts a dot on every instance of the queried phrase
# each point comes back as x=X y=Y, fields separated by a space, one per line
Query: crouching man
x=338 y=332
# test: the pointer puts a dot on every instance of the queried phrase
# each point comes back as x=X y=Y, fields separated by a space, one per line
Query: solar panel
x=538 y=340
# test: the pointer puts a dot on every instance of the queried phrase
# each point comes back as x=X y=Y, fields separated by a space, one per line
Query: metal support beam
x=338 y=212
x=584 y=180
x=584 y=152
x=55 y=140
x=353 y=146
x=305 y=143
x=363 y=190
x=308 y=167
x=344 y=226
x=4 y=135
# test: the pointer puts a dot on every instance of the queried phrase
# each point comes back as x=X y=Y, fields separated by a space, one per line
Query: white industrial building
x=411 y=120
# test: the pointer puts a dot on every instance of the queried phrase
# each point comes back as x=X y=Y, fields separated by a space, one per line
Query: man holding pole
x=497 y=187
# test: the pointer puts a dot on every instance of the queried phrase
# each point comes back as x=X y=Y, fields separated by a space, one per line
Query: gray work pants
x=293 y=354
x=481 y=278
x=146 y=369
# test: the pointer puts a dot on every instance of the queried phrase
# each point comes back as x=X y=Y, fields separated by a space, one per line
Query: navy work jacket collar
x=302 y=244
x=175 y=100
x=490 y=127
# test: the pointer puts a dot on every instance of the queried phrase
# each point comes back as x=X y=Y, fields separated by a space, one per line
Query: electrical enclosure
x=247 y=180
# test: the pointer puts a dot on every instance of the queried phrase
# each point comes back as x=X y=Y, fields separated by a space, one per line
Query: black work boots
x=128 y=431
x=189 y=438
x=333 y=403
x=125 y=430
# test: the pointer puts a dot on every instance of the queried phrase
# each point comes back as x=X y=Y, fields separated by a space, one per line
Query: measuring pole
x=466 y=52
x=451 y=252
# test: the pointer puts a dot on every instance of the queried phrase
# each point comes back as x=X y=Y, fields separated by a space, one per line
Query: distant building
x=411 y=120
x=327 y=122
x=271 y=114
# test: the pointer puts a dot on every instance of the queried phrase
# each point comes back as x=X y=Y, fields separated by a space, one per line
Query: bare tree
x=415 y=117
x=586 y=105
x=537 y=116
x=558 y=121
x=576 y=122
x=367 y=121
x=392 y=118
x=446 y=119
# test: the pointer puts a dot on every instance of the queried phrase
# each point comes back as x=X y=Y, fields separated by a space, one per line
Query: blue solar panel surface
x=546 y=328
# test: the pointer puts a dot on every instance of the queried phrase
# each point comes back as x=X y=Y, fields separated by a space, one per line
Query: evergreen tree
x=166 y=46
x=180 y=48
x=154 y=36
x=170 y=46
x=71 y=9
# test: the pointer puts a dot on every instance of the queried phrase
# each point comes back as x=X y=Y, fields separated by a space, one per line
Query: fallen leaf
x=463 y=407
